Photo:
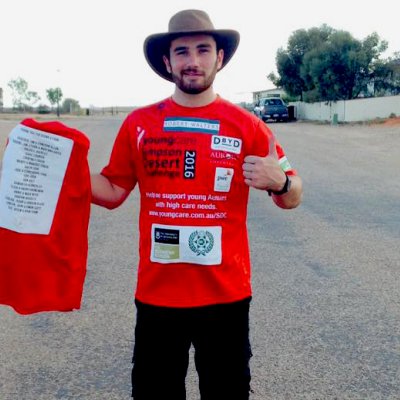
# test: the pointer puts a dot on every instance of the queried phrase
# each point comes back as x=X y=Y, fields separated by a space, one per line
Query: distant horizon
x=94 y=106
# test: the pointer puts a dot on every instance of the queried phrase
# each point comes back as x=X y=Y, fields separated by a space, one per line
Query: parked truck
x=272 y=108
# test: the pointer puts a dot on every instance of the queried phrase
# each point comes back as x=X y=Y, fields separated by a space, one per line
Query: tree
x=21 y=96
x=54 y=95
x=18 y=88
x=289 y=61
x=335 y=68
x=323 y=64
x=32 y=97
x=386 y=77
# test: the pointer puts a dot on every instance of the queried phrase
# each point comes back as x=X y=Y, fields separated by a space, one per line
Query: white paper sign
x=33 y=171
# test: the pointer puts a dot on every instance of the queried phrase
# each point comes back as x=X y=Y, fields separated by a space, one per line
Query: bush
x=43 y=109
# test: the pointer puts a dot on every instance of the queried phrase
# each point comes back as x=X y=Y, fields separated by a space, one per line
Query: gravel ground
x=325 y=317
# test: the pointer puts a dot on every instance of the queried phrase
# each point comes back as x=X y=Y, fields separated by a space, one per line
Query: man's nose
x=192 y=59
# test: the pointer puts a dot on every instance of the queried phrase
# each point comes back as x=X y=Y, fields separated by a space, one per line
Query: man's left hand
x=264 y=172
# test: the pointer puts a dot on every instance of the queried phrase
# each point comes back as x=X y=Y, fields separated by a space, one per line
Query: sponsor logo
x=169 y=141
x=191 y=125
x=201 y=242
x=199 y=245
x=168 y=165
x=223 y=179
x=224 y=157
x=140 y=133
x=226 y=143
x=162 y=155
x=168 y=236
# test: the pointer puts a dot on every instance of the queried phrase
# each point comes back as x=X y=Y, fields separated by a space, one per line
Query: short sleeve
x=121 y=169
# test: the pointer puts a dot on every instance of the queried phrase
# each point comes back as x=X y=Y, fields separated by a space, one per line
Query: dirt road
x=326 y=276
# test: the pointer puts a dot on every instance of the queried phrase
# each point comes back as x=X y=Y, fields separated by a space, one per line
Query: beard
x=194 y=86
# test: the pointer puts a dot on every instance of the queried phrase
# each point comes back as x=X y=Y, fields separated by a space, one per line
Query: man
x=194 y=157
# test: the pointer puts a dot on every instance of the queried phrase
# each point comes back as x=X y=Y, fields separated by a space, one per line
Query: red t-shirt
x=43 y=231
x=188 y=163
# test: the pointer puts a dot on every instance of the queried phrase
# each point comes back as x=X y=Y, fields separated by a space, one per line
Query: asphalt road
x=325 y=317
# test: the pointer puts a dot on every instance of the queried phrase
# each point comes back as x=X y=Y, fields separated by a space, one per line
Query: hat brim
x=157 y=45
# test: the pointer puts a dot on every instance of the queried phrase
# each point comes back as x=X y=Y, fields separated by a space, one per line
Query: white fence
x=349 y=110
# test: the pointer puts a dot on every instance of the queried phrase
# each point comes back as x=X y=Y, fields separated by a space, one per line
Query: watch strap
x=285 y=189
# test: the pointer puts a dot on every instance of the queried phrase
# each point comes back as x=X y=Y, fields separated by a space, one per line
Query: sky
x=93 y=49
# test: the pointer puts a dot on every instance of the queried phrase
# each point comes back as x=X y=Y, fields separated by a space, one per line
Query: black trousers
x=220 y=337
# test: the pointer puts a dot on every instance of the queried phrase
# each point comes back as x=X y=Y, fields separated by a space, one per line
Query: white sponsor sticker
x=223 y=179
x=226 y=143
x=188 y=124
x=186 y=244
x=33 y=170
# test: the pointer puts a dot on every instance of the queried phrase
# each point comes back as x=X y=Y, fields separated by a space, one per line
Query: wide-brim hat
x=187 y=22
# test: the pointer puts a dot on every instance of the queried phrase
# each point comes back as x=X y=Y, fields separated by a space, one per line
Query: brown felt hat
x=187 y=22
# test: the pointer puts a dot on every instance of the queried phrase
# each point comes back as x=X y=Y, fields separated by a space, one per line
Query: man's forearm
x=105 y=193
x=292 y=198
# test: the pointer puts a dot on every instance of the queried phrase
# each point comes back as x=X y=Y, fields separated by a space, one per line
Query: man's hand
x=264 y=172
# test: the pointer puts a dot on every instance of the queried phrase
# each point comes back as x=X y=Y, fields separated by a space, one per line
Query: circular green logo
x=201 y=242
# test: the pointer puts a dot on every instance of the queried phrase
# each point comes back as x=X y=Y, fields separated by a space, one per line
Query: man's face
x=193 y=62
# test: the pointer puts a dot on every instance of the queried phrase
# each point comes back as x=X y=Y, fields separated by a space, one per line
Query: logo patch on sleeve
x=285 y=164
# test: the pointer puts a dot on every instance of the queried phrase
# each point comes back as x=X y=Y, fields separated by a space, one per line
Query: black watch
x=285 y=189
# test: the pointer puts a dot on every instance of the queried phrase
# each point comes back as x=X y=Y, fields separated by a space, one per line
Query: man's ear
x=220 y=58
x=167 y=64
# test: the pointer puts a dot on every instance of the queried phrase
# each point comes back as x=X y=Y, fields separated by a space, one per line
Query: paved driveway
x=326 y=307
